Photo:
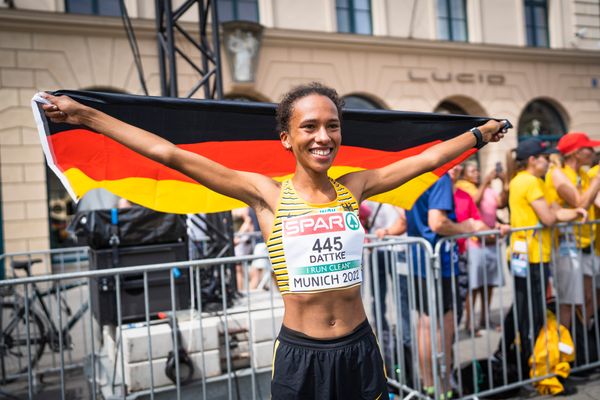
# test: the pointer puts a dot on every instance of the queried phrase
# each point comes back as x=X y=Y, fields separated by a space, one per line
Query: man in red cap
x=571 y=187
x=574 y=142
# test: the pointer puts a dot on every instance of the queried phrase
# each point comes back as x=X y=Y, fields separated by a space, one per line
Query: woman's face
x=540 y=164
x=314 y=132
x=471 y=174
x=585 y=156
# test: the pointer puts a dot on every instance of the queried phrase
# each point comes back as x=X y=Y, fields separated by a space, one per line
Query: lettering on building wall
x=461 y=77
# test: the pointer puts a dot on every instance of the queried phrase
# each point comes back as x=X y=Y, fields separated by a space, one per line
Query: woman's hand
x=381 y=233
x=581 y=213
x=493 y=131
x=489 y=178
x=571 y=214
x=504 y=229
x=64 y=109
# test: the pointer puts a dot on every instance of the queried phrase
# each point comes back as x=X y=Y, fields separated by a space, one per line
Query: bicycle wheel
x=13 y=342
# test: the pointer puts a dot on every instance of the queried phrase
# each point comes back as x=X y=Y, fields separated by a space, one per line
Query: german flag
x=239 y=135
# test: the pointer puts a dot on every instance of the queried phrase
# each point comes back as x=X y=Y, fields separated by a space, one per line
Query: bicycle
x=14 y=318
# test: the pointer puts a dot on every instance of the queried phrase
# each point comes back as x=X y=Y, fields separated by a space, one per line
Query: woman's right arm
x=248 y=187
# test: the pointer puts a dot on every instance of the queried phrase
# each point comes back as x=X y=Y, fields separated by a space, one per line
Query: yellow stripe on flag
x=179 y=197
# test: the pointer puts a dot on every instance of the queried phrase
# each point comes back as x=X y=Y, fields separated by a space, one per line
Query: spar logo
x=313 y=224
x=352 y=221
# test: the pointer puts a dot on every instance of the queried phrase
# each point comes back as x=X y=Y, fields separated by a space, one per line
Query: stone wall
x=48 y=51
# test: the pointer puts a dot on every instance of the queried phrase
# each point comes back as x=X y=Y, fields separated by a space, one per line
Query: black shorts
x=349 y=367
x=450 y=294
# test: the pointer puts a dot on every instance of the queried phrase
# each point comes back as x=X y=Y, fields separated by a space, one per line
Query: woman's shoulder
x=524 y=177
x=524 y=182
x=267 y=192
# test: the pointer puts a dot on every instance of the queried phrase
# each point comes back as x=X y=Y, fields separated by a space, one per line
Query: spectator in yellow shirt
x=530 y=250
x=571 y=187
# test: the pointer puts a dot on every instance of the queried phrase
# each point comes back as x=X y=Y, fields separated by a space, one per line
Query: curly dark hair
x=286 y=106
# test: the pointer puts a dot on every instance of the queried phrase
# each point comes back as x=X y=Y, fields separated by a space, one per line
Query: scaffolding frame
x=169 y=32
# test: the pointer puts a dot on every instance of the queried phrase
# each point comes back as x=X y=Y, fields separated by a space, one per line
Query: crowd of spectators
x=536 y=194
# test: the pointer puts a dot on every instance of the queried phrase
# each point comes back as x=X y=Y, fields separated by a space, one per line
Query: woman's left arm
x=367 y=183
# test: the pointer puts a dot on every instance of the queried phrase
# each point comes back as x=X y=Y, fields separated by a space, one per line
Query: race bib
x=567 y=249
x=323 y=251
x=519 y=264
x=567 y=246
x=519 y=261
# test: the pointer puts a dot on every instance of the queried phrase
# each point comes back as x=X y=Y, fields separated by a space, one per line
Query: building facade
x=534 y=62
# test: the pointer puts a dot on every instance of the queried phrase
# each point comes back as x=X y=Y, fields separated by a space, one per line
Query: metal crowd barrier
x=498 y=360
x=49 y=350
x=397 y=298
x=225 y=348
x=230 y=348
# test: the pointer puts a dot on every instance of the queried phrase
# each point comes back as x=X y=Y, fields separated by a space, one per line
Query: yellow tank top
x=316 y=247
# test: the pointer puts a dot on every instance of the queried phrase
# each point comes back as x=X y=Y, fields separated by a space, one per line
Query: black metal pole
x=160 y=11
x=170 y=48
x=202 y=18
x=216 y=50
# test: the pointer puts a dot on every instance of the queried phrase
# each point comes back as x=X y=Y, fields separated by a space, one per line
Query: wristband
x=478 y=137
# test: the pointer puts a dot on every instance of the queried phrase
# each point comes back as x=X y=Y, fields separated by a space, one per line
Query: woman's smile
x=322 y=154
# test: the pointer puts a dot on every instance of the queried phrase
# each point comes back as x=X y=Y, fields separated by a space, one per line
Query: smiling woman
x=305 y=219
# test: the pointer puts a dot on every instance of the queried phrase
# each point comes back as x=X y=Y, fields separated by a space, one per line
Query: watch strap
x=478 y=137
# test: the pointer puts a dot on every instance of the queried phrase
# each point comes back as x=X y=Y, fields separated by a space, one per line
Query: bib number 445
x=329 y=244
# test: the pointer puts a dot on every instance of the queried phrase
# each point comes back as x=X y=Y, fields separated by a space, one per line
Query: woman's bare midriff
x=324 y=315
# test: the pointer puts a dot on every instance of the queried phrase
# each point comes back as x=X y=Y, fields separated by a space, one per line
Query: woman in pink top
x=465 y=209
x=485 y=271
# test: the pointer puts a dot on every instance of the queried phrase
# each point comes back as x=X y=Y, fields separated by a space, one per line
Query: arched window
x=360 y=102
x=542 y=120
x=460 y=105
x=448 y=107
x=240 y=97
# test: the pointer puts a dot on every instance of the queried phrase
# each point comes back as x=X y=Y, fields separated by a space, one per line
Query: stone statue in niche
x=243 y=46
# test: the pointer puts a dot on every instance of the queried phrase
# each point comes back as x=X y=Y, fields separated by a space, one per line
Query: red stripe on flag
x=102 y=158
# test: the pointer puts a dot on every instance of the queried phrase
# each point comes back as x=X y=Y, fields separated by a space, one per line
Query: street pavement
x=586 y=390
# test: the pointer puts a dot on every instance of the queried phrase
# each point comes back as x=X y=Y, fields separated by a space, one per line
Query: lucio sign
x=493 y=79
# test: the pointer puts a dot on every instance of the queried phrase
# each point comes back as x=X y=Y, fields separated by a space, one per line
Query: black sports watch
x=478 y=137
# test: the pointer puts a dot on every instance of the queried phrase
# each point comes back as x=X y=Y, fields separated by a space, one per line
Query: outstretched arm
x=245 y=186
x=367 y=183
